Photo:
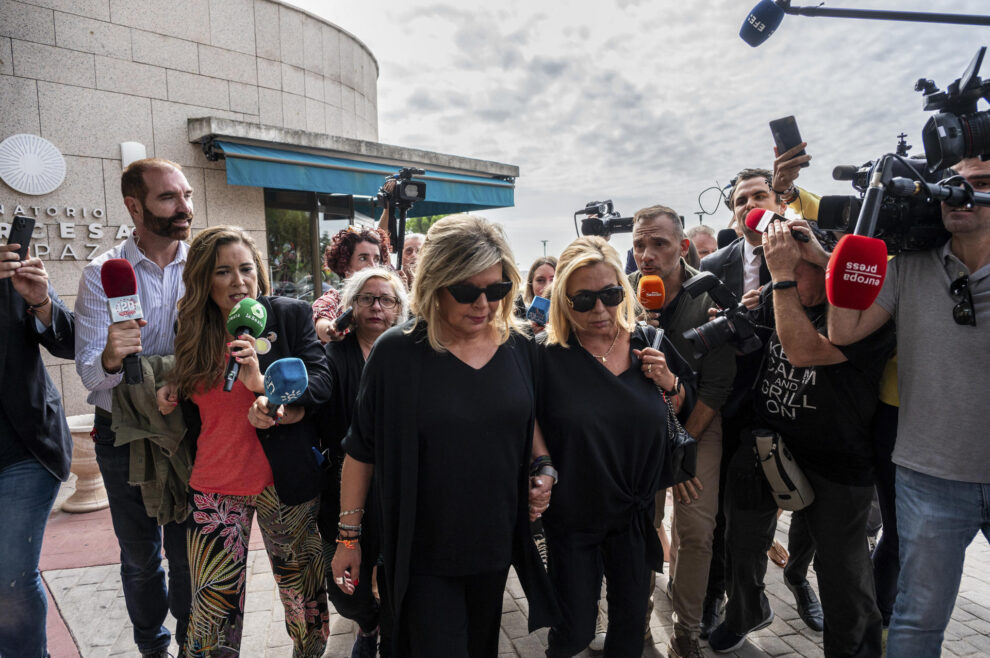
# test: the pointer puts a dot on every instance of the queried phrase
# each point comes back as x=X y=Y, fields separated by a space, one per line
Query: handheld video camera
x=601 y=219
x=399 y=200
x=731 y=324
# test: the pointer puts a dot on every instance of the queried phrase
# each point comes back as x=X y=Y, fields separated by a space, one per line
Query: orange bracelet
x=349 y=543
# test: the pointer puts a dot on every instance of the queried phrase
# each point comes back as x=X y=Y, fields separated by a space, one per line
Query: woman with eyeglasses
x=450 y=456
x=378 y=300
x=351 y=250
x=605 y=427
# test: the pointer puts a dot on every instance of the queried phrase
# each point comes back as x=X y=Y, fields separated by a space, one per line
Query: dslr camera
x=601 y=219
x=406 y=191
x=731 y=324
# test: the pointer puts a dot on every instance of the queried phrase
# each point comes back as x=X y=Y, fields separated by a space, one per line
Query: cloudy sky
x=644 y=101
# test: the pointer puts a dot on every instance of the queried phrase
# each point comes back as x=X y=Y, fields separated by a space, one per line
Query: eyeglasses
x=585 y=300
x=465 y=293
x=963 y=312
x=367 y=299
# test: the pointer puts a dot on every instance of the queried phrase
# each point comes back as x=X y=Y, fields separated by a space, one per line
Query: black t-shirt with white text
x=824 y=412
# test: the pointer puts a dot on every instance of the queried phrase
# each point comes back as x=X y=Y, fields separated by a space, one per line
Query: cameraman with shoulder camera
x=659 y=248
x=819 y=399
x=939 y=300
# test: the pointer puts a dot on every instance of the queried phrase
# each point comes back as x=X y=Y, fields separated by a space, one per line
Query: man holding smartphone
x=35 y=443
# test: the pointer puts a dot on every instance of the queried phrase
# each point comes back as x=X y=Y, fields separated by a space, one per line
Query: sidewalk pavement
x=87 y=617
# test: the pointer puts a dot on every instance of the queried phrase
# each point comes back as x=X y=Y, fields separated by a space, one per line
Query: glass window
x=289 y=217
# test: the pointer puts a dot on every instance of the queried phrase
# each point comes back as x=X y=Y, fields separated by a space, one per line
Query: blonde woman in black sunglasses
x=605 y=427
x=450 y=454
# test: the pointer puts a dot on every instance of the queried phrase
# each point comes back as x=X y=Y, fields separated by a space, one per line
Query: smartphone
x=786 y=135
x=344 y=320
x=20 y=233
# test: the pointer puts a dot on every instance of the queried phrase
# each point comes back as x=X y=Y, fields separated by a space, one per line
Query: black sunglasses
x=465 y=293
x=963 y=312
x=585 y=300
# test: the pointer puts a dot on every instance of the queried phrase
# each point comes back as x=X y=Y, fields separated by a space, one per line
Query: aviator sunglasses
x=585 y=300
x=465 y=293
x=963 y=312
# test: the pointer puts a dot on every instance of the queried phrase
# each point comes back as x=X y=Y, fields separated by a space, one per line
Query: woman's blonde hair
x=456 y=248
x=582 y=253
x=200 y=326
x=354 y=284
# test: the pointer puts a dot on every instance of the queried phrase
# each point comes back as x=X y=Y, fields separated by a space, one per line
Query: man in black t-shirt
x=820 y=399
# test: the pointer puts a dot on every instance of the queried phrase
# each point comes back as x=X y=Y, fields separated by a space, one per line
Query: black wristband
x=780 y=285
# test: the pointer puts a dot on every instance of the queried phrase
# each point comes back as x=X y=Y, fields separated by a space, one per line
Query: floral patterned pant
x=217 y=541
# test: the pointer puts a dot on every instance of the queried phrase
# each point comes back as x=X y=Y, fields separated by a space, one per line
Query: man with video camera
x=659 y=248
x=939 y=300
x=819 y=400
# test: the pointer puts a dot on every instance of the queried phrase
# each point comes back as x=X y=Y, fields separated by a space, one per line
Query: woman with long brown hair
x=238 y=470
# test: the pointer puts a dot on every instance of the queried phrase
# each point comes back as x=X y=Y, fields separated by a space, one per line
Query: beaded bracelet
x=354 y=528
x=359 y=510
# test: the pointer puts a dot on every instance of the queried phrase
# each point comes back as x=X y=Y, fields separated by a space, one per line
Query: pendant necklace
x=607 y=352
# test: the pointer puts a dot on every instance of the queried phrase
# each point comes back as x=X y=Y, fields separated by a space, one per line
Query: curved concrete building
x=271 y=111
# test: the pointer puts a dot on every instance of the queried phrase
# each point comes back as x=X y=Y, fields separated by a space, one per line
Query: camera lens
x=709 y=336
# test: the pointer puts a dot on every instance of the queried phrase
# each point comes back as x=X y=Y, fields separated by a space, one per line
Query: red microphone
x=120 y=287
x=651 y=293
x=759 y=220
x=856 y=271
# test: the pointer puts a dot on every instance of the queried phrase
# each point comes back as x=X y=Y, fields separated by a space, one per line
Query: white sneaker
x=601 y=625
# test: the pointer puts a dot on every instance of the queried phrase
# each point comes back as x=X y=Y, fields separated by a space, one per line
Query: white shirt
x=751 y=267
x=159 y=291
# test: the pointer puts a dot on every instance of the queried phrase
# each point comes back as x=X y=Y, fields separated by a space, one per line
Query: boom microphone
x=285 y=381
x=120 y=287
x=759 y=220
x=761 y=22
x=247 y=317
x=651 y=293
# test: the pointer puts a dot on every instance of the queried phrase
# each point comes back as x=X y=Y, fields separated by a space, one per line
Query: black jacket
x=29 y=398
x=727 y=265
x=289 y=448
x=386 y=414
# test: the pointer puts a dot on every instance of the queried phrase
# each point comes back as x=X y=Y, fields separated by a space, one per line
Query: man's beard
x=164 y=227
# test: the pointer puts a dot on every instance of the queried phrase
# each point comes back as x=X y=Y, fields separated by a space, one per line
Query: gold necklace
x=607 y=352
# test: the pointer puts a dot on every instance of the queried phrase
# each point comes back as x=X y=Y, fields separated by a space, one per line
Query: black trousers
x=455 y=616
x=576 y=563
x=836 y=522
x=886 y=561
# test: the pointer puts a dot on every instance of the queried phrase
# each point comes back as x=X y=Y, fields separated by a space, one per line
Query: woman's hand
x=327 y=332
x=654 y=366
x=346 y=561
x=539 y=495
x=167 y=399
x=243 y=350
x=258 y=414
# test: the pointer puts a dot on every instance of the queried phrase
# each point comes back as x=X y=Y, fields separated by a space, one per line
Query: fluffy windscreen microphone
x=651 y=293
x=725 y=237
x=247 y=317
x=761 y=22
x=759 y=219
x=856 y=271
x=120 y=287
x=285 y=381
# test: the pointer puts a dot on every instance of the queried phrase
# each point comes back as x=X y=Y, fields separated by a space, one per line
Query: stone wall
x=89 y=74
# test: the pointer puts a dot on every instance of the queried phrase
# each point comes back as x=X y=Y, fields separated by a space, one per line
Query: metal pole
x=544 y=247
x=914 y=16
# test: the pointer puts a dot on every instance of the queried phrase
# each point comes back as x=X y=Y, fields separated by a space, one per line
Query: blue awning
x=260 y=166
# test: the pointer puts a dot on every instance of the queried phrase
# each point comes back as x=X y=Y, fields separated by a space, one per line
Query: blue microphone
x=538 y=309
x=761 y=22
x=285 y=381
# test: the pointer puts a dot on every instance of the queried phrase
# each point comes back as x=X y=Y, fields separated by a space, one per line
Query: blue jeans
x=140 y=538
x=936 y=520
x=27 y=493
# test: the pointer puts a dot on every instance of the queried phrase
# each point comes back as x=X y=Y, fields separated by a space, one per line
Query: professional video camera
x=900 y=198
x=905 y=223
x=732 y=324
x=399 y=200
x=602 y=219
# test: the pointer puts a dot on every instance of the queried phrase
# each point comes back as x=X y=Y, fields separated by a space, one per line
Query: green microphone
x=247 y=317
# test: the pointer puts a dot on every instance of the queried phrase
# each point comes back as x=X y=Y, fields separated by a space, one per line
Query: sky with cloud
x=645 y=101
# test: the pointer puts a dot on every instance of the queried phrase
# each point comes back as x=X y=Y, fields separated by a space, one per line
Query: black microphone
x=761 y=22
x=725 y=237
